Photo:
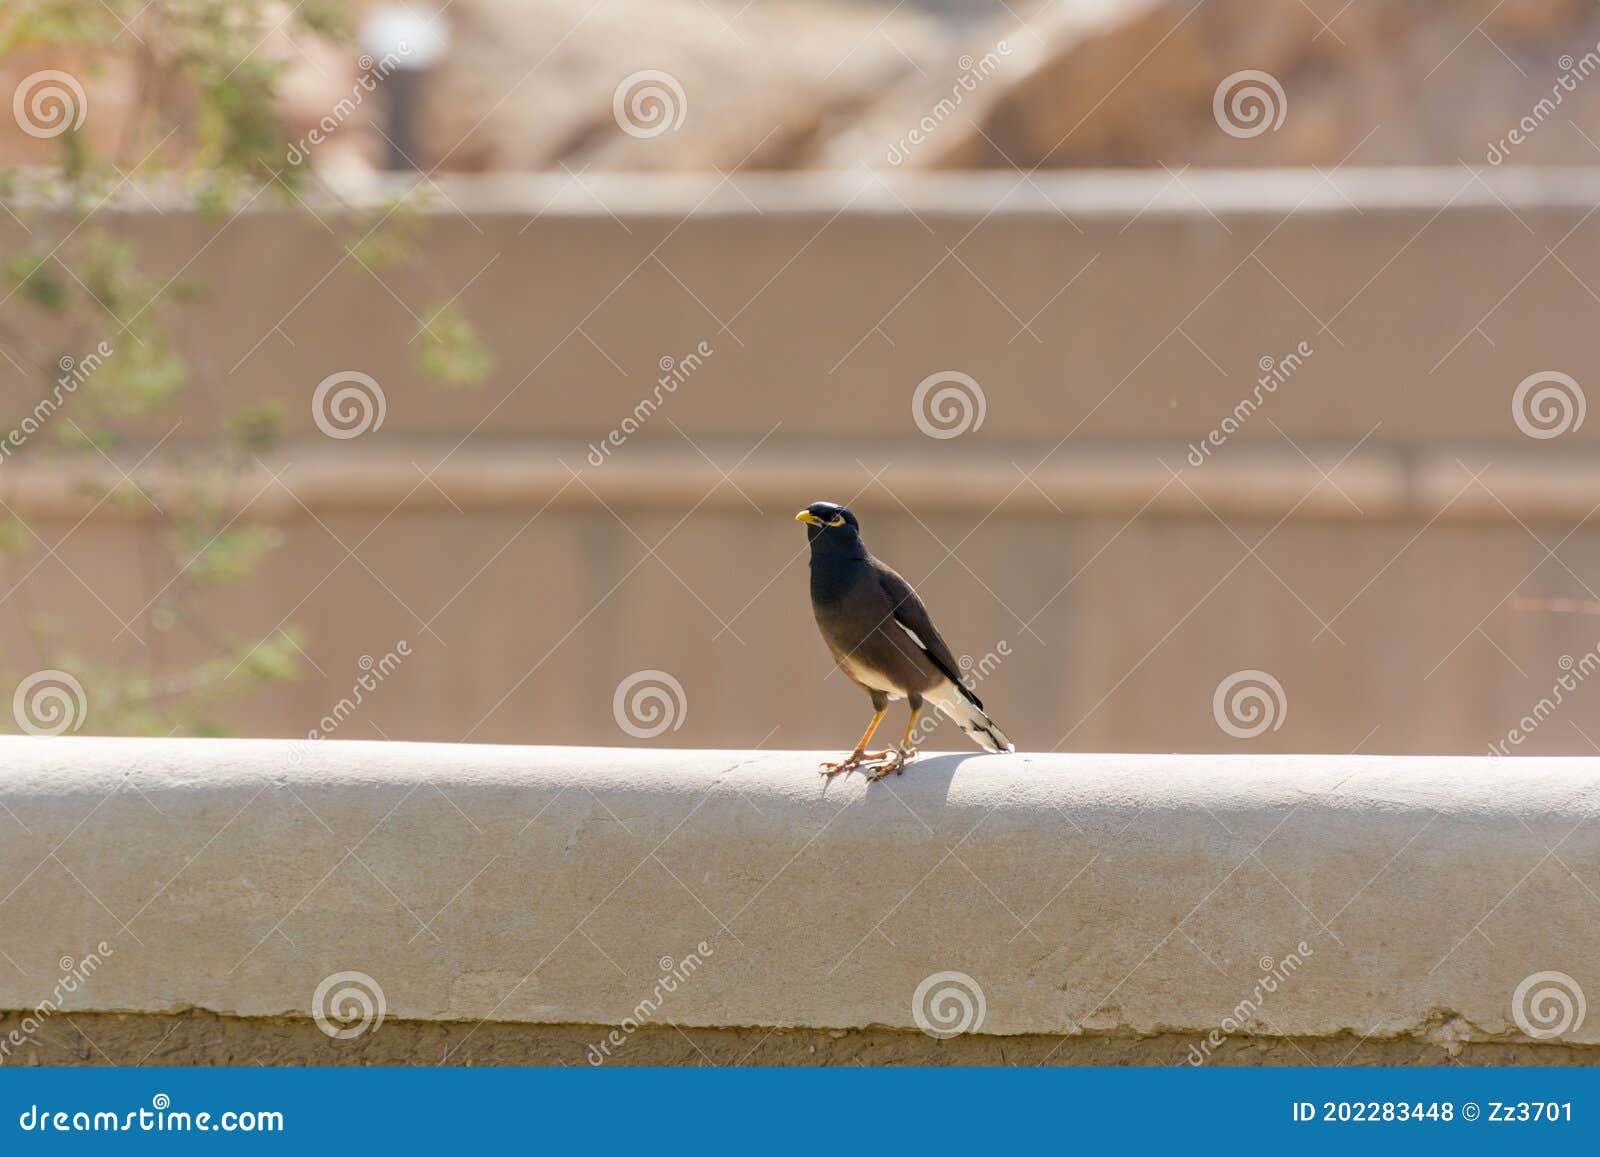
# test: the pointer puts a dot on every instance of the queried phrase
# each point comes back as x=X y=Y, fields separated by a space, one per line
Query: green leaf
x=451 y=352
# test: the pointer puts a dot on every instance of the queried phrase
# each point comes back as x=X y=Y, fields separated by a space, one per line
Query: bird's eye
x=836 y=520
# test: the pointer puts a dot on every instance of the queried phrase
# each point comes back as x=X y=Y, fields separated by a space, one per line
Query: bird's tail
x=968 y=715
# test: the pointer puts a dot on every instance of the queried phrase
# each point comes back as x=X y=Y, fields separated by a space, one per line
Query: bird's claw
x=894 y=760
x=855 y=759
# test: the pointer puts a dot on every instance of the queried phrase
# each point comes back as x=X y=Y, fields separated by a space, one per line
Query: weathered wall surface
x=1177 y=900
x=1366 y=535
x=200 y=1038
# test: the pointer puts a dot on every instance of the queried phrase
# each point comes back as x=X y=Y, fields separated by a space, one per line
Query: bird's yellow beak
x=807 y=517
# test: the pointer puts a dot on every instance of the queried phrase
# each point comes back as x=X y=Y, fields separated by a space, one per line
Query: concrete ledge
x=1083 y=895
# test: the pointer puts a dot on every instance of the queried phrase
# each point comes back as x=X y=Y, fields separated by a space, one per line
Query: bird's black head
x=829 y=524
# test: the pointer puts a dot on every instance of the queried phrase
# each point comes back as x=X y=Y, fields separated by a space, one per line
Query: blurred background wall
x=1199 y=423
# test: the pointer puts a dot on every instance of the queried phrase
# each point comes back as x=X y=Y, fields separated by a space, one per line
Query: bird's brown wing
x=913 y=618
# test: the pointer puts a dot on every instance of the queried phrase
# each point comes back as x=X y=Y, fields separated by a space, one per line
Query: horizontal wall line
x=1111 y=193
x=1240 y=480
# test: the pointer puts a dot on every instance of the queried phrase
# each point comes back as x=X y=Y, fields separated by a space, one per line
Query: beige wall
x=1122 y=597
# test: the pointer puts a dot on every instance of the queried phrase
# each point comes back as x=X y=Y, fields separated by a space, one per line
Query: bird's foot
x=893 y=762
x=857 y=758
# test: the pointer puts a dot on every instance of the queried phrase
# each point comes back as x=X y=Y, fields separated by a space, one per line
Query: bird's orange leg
x=860 y=755
x=895 y=759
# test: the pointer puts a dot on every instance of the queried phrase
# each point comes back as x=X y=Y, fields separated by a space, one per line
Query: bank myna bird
x=883 y=639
